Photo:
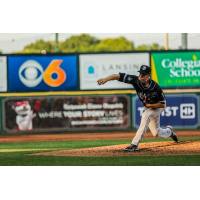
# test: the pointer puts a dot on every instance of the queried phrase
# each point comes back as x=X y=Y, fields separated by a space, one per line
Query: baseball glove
x=151 y=98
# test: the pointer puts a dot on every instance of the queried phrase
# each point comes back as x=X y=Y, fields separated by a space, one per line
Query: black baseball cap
x=144 y=69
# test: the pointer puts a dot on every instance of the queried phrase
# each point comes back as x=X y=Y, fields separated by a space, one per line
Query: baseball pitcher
x=153 y=99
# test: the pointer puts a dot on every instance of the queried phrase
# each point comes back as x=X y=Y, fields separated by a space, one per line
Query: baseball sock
x=164 y=133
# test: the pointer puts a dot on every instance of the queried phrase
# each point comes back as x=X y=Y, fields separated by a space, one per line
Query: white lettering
x=174 y=73
x=141 y=109
x=168 y=111
x=123 y=67
x=194 y=73
x=94 y=106
x=184 y=73
x=182 y=68
x=52 y=114
x=164 y=64
x=115 y=113
x=179 y=63
x=72 y=114
x=112 y=106
x=101 y=121
x=174 y=109
x=74 y=107
x=43 y=115
x=93 y=113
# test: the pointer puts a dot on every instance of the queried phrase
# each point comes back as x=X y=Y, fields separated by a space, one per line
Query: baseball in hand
x=43 y=52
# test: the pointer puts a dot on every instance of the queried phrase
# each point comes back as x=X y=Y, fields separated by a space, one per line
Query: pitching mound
x=153 y=148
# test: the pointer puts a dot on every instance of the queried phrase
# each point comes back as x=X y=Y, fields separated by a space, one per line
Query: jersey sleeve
x=161 y=96
x=126 y=78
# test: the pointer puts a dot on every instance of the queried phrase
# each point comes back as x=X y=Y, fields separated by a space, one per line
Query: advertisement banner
x=96 y=66
x=176 y=69
x=3 y=74
x=42 y=73
x=182 y=111
x=80 y=113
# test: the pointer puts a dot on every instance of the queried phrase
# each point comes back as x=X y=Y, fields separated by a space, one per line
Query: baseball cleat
x=132 y=147
x=173 y=135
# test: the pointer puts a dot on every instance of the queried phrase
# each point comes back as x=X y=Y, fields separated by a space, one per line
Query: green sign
x=176 y=69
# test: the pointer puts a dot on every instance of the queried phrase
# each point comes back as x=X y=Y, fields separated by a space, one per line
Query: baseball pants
x=151 y=119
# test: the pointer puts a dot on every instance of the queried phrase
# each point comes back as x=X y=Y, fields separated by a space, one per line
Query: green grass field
x=13 y=154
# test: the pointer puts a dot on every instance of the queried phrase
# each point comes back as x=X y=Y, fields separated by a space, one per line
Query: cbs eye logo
x=31 y=73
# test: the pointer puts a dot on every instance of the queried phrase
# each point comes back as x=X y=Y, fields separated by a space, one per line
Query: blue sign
x=42 y=73
x=182 y=111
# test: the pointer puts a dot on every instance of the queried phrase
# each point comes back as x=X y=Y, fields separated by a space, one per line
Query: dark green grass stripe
x=81 y=143
x=179 y=160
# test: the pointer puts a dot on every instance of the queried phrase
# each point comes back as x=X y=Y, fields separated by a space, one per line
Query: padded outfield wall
x=94 y=111
x=67 y=112
x=70 y=100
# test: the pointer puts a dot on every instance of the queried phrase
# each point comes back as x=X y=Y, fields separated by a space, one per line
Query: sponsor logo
x=187 y=111
x=31 y=73
x=182 y=68
x=90 y=70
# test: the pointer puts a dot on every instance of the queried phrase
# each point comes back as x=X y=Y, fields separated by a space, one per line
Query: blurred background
x=96 y=42
x=64 y=80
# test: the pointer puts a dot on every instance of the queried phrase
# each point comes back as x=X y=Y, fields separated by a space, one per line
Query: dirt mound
x=153 y=148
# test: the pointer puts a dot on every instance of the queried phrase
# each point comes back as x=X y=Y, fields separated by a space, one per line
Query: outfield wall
x=95 y=111
x=70 y=100
x=79 y=71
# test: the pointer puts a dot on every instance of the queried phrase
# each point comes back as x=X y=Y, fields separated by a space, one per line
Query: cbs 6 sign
x=31 y=73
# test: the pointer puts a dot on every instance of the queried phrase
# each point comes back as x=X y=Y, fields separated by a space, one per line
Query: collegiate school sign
x=176 y=69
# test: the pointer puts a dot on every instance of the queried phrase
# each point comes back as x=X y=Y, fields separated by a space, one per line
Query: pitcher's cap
x=144 y=69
